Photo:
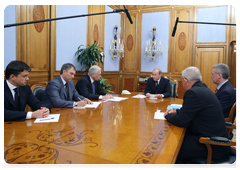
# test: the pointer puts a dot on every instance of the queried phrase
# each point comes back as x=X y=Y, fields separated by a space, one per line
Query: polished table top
x=115 y=132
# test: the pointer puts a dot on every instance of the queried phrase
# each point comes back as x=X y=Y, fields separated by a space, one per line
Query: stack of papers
x=159 y=115
x=140 y=96
x=174 y=106
x=50 y=118
x=94 y=105
x=116 y=99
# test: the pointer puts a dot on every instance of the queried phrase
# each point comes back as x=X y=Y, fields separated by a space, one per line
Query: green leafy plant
x=92 y=55
x=89 y=56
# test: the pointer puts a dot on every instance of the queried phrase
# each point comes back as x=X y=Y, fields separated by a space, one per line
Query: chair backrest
x=173 y=88
x=38 y=91
x=232 y=114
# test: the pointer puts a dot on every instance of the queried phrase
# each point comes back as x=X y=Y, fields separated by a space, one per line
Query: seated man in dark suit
x=202 y=115
x=89 y=85
x=61 y=92
x=17 y=94
x=225 y=91
x=157 y=85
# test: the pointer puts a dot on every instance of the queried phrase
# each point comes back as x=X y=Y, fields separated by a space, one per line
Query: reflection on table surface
x=115 y=132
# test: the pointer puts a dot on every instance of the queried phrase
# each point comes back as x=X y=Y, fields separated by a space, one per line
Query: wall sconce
x=153 y=50
x=117 y=48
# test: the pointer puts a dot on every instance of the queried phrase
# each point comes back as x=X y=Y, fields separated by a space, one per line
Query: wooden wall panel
x=182 y=43
x=206 y=58
x=130 y=60
x=129 y=83
x=33 y=41
x=37 y=38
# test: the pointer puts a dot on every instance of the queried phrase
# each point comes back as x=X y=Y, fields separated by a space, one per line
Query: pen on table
x=46 y=119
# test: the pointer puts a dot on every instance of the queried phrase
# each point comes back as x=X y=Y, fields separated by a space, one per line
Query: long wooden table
x=122 y=132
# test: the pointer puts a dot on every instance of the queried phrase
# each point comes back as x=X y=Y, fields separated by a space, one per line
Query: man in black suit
x=89 y=85
x=225 y=91
x=157 y=85
x=17 y=94
x=201 y=114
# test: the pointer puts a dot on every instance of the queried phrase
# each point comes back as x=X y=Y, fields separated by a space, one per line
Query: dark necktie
x=67 y=90
x=156 y=83
x=16 y=100
x=93 y=87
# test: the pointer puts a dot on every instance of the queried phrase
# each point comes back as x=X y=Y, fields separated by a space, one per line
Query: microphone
x=175 y=27
x=128 y=15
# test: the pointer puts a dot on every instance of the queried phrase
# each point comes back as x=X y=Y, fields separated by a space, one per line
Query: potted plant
x=92 y=55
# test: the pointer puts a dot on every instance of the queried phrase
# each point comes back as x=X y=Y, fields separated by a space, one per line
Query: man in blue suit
x=17 y=94
x=89 y=85
x=61 y=92
x=225 y=91
x=157 y=85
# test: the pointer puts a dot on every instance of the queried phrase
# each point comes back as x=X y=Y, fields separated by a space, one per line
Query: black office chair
x=38 y=92
x=173 y=89
x=208 y=141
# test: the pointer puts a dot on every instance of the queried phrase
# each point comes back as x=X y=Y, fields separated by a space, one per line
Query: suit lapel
x=89 y=84
x=62 y=88
x=8 y=93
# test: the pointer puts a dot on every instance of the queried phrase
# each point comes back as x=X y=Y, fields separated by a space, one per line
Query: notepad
x=94 y=105
x=117 y=99
x=174 y=106
x=159 y=115
x=50 y=118
x=140 y=96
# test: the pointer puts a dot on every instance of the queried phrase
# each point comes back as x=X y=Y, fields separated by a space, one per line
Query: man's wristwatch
x=75 y=104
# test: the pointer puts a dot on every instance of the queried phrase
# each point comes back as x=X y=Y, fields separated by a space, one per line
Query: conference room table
x=123 y=132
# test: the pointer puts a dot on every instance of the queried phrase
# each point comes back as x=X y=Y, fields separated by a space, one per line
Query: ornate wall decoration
x=95 y=33
x=38 y=14
x=30 y=153
x=182 y=41
x=130 y=42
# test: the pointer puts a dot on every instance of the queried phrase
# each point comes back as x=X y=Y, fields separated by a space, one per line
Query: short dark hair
x=66 y=67
x=16 y=67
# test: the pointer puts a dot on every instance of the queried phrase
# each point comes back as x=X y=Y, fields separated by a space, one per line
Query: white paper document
x=159 y=115
x=117 y=99
x=140 y=96
x=94 y=105
x=50 y=118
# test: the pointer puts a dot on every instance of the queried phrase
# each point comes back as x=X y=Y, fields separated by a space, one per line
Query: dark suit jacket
x=55 y=94
x=25 y=96
x=227 y=97
x=202 y=115
x=162 y=88
x=84 y=87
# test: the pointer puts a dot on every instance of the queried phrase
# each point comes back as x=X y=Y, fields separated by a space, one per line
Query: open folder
x=94 y=105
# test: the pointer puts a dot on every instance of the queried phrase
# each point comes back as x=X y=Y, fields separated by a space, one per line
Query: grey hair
x=93 y=70
x=192 y=74
x=67 y=66
x=159 y=70
x=223 y=69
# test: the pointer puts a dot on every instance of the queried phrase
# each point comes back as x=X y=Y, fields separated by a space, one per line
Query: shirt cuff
x=100 y=97
x=29 y=115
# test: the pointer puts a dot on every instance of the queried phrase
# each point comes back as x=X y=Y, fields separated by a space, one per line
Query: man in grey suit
x=61 y=92
x=225 y=91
